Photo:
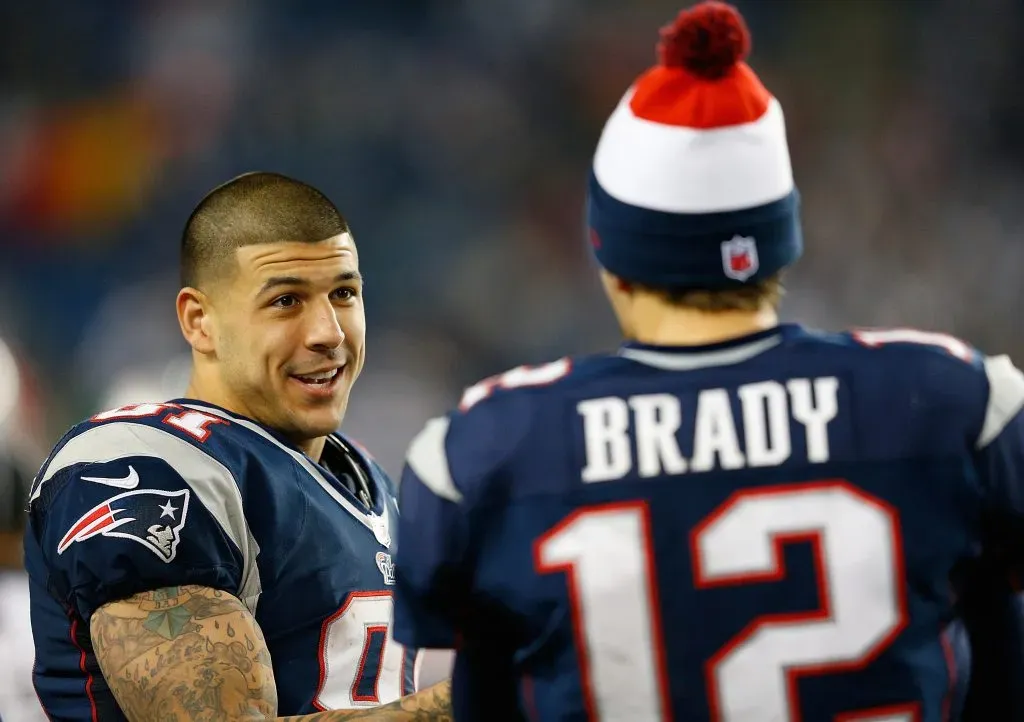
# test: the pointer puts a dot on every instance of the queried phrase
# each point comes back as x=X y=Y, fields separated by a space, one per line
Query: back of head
x=253 y=208
x=691 y=193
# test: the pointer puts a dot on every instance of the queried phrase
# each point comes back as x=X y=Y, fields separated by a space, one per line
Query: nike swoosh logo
x=128 y=482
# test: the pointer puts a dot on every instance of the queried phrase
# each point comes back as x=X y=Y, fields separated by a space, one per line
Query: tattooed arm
x=184 y=653
x=195 y=653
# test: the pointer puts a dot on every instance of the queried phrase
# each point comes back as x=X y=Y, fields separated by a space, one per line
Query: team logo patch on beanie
x=739 y=257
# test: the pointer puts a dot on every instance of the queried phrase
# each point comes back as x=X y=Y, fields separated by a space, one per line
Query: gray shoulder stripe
x=379 y=525
x=1005 y=397
x=211 y=481
x=429 y=460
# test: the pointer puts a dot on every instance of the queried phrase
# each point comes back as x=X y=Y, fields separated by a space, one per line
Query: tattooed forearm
x=192 y=653
x=433 y=704
x=184 y=653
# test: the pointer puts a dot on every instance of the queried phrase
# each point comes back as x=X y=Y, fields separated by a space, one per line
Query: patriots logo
x=739 y=257
x=386 y=566
x=137 y=515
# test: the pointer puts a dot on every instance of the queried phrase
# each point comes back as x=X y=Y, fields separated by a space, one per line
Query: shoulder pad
x=167 y=431
x=520 y=377
x=930 y=342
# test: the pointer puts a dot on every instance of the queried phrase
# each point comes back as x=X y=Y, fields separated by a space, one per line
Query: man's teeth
x=319 y=378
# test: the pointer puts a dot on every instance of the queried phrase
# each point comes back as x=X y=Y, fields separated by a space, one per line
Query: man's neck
x=690 y=327
x=211 y=393
x=313 y=448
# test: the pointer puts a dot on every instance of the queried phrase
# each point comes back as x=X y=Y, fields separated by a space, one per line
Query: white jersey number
x=606 y=553
x=361 y=664
x=517 y=378
x=194 y=423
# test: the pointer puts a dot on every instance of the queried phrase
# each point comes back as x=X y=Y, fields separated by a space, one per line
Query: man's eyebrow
x=276 y=281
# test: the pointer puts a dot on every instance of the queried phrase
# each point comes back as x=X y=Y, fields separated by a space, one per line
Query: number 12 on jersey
x=607 y=555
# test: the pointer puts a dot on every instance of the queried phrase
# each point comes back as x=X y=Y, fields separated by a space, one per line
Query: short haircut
x=251 y=209
x=749 y=297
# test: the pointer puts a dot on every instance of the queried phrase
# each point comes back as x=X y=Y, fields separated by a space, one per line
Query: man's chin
x=315 y=422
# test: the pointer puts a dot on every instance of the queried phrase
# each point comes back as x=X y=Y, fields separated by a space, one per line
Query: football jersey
x=183 y=493
x=780 y=527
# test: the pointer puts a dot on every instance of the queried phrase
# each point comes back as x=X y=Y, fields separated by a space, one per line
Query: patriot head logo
x=739 y=257
x=151 y=517
x=386 y=566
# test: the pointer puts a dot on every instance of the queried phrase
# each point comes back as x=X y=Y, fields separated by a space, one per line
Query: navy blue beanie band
x=693 y=250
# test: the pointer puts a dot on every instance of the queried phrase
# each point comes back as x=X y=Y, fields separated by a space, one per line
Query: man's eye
x=284 y=302
x=344 y=294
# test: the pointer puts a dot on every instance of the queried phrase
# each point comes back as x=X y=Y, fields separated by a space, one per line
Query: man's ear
x=614 y=283
x=195 y=317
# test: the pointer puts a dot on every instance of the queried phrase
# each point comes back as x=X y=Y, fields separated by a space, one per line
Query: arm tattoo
x=433 y=704
x=192 y=653
x=184 y=653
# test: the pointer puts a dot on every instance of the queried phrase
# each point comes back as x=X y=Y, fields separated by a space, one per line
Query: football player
x=729 y=518
x=227 y=555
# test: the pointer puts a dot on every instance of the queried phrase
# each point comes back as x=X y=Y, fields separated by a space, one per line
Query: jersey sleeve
x=431 y=574
x=123 y=508
x=999 y=455
x=451 y=476
x=980 y=398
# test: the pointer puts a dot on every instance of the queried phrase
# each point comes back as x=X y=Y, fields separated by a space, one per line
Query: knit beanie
x=691 y=184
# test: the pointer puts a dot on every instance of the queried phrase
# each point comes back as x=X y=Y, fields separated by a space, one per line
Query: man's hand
x=184 y=653
x=193 y=653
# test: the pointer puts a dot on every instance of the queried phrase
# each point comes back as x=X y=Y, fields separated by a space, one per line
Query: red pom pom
x=707 y=40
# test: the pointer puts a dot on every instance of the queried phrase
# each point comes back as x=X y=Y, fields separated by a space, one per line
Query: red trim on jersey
x=202 y=431
x=367 y=636
x=322 y=649
x=526 y=690
x=950 y=659
x=867 y=715
x=82 y=665
x=484 y=388
x=576 y=607
x=824 y=612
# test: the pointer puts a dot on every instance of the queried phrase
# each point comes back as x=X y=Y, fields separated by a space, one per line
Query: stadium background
x=455 y=135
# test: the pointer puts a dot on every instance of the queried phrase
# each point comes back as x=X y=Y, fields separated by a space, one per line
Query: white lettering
x=657 y=418
x=642 y=432
x=606 y=435
x=715 y=433
x=767 y=444
x=815 y=414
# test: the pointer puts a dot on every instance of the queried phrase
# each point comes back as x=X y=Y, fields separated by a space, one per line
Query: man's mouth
x=319 y=379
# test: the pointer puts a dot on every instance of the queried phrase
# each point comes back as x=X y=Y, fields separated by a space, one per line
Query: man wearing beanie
x=728 y=519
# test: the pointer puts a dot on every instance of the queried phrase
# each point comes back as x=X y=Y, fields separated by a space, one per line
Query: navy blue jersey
x=775 y=528
x=158 y=495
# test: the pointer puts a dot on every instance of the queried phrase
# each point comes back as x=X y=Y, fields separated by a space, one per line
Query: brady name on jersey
x=640 y=432
x=161 y=495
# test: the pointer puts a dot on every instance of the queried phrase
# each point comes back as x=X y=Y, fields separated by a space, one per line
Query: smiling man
x=228 y=555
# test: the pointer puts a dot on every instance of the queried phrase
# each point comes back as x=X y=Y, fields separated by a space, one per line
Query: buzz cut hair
x=251 y=209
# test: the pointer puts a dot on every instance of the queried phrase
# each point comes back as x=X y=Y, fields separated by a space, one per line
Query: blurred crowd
x=456 y=136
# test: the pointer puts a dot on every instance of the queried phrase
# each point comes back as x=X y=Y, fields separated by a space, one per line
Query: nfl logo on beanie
x=691 y=185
